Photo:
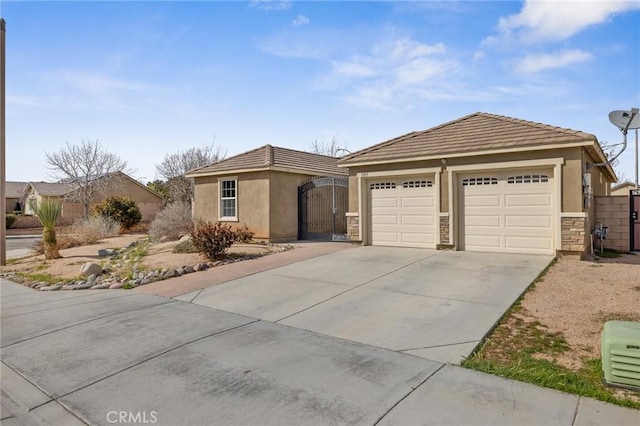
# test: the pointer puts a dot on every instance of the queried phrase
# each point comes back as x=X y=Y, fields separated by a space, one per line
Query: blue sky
x=152 y=78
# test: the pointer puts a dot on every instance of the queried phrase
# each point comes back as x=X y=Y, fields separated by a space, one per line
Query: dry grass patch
x=551 y=337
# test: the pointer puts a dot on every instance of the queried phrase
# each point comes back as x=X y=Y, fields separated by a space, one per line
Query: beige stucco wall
x=283 y=205
x=252 y=203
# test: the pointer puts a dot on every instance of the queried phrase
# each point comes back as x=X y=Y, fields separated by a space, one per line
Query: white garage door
x=507 y=212
x=403 y=212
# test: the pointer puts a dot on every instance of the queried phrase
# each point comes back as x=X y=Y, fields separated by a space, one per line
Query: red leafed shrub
x=213 y=239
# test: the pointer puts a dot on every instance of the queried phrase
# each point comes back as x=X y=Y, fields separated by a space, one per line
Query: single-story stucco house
x=483 y=182
x=14 y=192
x=148 y=201
x=623 y=188
x=259 y=188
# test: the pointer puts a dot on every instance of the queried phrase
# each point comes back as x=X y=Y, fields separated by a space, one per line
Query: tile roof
x=470 y=134
x=269 y=157
x=48 y=189
x=15 y=189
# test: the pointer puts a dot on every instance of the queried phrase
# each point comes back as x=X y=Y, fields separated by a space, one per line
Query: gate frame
x=317 y=182
x=633 y=193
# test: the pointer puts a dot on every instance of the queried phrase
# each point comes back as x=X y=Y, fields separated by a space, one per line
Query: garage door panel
x=528 y=200
x=417 y=220
x=478 y=220
x=507 y=212
x=528 y=221
x=386 y=237
x=409 y=201
x=529 y=243
x=417 y=240
x=480 y=241
x=380 y=219
x=472 y=200
x=384 y=202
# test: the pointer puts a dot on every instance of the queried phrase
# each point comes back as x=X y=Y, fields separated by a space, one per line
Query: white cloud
x=392 y=73
x=300 y=20
x=478 y=55
x=544 y=61
x=541 y=21
x=270 y=5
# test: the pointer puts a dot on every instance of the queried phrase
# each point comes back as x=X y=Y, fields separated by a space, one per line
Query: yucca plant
x=48 y=212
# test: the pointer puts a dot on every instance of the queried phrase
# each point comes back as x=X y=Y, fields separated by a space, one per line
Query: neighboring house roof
x=15 y=189
x=473 y=134
x=269 y=157
x=623 y=185
x=48 y=189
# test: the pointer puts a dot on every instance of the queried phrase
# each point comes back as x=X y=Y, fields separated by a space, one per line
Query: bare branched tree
x=174 y=166
x=88 y=168
x=609 y=151
x=331 y=148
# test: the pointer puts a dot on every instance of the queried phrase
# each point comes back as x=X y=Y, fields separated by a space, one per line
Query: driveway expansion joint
x=413 y=389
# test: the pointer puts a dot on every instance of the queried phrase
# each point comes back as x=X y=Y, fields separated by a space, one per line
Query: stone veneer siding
x=573 y=234
x=353 y=226
x=444 y=229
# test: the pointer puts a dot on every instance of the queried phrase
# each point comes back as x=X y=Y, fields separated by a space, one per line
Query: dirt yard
x=577 y=297
x=159 y=256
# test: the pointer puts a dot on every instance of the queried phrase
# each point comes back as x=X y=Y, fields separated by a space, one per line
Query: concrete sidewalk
x=100 y=357
x=188 y=283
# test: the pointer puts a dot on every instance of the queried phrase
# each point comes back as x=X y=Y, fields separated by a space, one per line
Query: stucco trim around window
x=228 y=199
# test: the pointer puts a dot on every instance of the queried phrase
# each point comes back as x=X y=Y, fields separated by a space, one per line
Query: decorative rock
x=199 y=267
x=106 y=252
x=146 y=281
x=116 y=285
x=84 y=286
x=51 y=288
x=180 y=271
x=170 y=274
x=184 y=238
x=100 y=286
x=92 y=278
x=69 y=287
x=188 y=269
x=90 y=268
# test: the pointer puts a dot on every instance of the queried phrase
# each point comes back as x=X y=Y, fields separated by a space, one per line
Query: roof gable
x=48 y=189
x=269 y=157
x=471 y=134
x=15 y=189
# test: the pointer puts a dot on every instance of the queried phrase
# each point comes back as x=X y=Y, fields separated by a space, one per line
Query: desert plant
x=245 y=235
x=213 y=239
x=172 y=222
x=122 y=210
x=11 y=220
x=48 y=212
x=95 y=228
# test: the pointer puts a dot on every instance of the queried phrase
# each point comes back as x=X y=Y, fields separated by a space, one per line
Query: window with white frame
x=228 y=199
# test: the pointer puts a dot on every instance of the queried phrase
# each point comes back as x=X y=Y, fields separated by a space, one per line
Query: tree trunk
x=50 y=244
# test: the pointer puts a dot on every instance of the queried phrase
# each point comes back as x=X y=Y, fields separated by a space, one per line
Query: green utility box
x=621 y=354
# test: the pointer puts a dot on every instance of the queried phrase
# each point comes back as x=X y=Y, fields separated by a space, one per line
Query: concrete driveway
x=432 y=304
x=120 y=357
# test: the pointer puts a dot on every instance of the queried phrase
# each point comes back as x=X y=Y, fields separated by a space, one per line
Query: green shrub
x=213 y=239
x=172 y=222
x=185 y=246
x=11 y=220
x=122 y=210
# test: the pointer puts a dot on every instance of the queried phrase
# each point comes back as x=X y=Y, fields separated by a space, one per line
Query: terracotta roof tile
x=272 y=156
x=473 y=133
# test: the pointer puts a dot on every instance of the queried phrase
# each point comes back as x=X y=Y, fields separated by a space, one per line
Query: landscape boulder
x=90 y=268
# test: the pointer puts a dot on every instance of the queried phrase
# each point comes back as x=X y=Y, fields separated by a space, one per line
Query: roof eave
x=302 y=171
x=586 y=142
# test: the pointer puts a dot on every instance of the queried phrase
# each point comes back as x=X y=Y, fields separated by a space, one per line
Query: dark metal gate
x=322 y=208
x=634 y=222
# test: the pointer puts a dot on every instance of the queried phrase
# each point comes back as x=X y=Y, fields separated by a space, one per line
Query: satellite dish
x=625 y=120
